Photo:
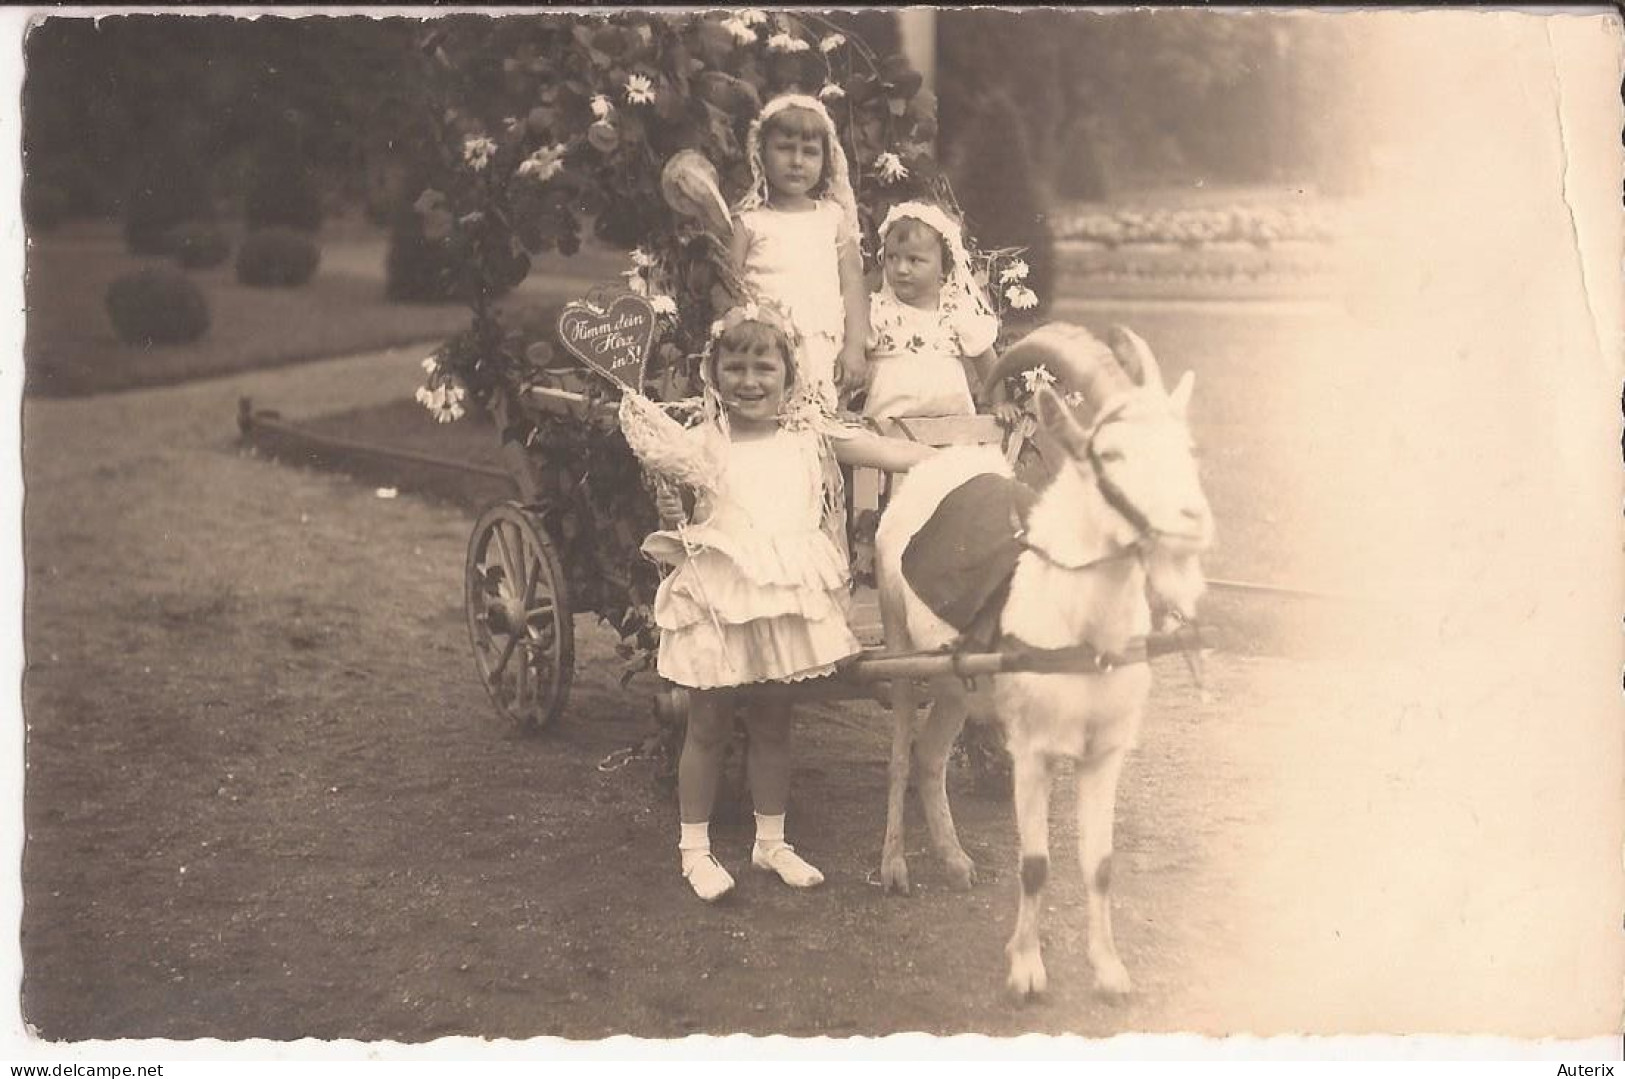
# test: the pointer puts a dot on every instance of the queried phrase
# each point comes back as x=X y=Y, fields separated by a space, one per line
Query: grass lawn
x=70 y=348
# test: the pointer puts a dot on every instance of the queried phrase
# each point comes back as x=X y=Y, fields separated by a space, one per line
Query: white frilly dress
x=759 y=590
x=793 y=260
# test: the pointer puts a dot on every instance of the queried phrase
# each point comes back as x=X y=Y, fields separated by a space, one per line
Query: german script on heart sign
x=613 y=340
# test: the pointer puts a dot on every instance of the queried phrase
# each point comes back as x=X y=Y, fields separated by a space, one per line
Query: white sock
x=769 y=830
x=694 y=842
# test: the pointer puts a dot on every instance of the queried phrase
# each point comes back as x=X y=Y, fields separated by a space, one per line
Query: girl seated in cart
x=759 y=589
x=931 y=331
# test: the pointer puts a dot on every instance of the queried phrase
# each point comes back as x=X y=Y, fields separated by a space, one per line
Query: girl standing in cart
x=759 y=589
x=796 y=241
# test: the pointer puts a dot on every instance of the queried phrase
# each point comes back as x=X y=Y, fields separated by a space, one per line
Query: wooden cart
x=552 y=553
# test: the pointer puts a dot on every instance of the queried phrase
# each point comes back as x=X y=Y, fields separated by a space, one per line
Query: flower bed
x=1262 y=225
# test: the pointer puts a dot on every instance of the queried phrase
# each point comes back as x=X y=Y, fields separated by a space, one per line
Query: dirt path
x=266 y=798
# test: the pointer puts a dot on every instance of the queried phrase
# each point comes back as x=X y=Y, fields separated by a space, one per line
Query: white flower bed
x=1259 y=225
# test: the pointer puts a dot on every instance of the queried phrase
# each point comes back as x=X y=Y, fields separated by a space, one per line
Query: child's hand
x=851 y=369
x=670 y=505
x=1008 y=413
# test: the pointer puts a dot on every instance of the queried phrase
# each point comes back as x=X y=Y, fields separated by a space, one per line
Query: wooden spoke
x=517 y=601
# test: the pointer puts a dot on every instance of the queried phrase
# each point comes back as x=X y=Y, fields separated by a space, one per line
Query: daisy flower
x=890 y=167
x=544 y=164
x=740 y=29
x=477 y=151
x=663 y=305
x=1016 y=271
x=831 y=43
x=1021 y=297
x=640 y=90
x=445 y=401
x=431 y=364
x=785 y=42
x=752 y=16
x=601 y=106
x=641 y=258
x=1034 y=377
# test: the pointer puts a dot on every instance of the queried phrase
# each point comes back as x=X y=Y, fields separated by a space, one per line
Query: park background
x=257 y=753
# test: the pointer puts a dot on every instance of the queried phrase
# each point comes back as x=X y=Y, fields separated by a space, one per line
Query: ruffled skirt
x=758 y=609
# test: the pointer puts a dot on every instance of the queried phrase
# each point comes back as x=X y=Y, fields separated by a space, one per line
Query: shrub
x=199 y=245
x=168 y=188
x=157 y=306
x=416 y=268
x=278 y=257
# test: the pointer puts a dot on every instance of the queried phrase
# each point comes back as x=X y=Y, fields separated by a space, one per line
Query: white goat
x=1125 y=506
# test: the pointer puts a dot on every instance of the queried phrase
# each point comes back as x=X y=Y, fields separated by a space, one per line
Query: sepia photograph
x=497 y=566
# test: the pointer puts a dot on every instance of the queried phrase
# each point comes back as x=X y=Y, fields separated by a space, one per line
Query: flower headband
x=765 y=313
x=839 y=177
x=960 y=286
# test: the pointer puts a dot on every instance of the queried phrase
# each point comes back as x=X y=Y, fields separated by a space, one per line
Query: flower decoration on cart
x=631 y=125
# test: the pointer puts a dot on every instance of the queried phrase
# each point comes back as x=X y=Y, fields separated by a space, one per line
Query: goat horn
x=1076 y=358
x=1135 y=356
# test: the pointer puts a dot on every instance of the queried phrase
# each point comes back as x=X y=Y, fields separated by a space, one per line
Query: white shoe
x=708 y=879
x=790 y=866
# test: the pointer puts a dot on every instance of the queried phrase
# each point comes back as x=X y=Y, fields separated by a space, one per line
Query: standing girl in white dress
x=931 y=331
x=759 y=589
x=796 y=241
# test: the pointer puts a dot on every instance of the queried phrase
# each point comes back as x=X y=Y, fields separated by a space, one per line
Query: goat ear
x=1181 y=397
x=1056 y=420
x=1134 y=356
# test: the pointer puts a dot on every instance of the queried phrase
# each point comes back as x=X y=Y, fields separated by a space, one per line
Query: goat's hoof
x=1027 y=977
x=961 y=872
x=894 y=875
x=1111 y=979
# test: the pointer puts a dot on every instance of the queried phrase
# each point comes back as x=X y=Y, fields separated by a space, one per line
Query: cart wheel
x=519 y=617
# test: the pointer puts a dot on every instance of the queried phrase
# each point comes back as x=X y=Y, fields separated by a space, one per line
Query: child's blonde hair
x=802 y=123
x=754 y=336
x=753 y=327
x=836 y=181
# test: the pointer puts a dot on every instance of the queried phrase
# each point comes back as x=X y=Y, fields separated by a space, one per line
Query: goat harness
x=961 y=562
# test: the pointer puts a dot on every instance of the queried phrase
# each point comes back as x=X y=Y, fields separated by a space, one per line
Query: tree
x=1106 y=97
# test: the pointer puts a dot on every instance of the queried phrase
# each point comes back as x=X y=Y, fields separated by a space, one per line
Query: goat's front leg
x=1097 y=808
x=893 y=860
x=932 y=749
x=1033 y=778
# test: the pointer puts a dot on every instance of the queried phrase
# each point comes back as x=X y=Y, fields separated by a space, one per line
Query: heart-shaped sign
x=612 y=340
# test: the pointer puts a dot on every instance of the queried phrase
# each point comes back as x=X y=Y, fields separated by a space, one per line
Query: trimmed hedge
x=199 y=245
x=157 y=306
x=277 y=257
